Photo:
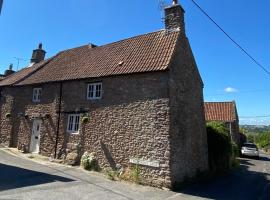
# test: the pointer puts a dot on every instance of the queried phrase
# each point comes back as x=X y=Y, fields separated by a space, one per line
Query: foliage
x=89 y=161
x=112 y=175
x=251 y=138
x=85 y=119
x=221 y=152
x=8 y=115
x=263 y=139
x=136 y=173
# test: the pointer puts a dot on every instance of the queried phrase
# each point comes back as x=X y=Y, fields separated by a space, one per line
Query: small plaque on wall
x=151 y=163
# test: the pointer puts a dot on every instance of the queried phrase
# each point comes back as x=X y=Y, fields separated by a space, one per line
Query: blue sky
x=227 y=73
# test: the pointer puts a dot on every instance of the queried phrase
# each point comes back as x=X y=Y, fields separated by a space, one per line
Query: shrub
x=89 y=161
x=220 y=150
x=136 y=173
x=85 y=119
x=112 y=175
x=8 y=115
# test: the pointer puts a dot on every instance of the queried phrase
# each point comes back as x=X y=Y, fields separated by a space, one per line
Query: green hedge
x=221 y=152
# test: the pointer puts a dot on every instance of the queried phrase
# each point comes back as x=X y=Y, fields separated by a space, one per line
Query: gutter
x=58 y=118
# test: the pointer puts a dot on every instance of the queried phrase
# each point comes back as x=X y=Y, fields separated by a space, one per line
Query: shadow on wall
x=108 y=156
x=12 y=177
x=243 y=183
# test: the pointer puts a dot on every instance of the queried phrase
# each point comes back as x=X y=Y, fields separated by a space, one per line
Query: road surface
x=24 y=179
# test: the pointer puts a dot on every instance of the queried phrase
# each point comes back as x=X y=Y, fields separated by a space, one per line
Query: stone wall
x=130 y=121
x=154 y=118
x=189 y=154
x=6 y=102
x=24 y=111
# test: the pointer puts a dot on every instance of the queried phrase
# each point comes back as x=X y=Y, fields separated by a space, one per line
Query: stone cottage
x=225 y=112
x=134 y=101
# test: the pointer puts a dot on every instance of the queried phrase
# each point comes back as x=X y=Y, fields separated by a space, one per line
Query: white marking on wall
x=151 y=163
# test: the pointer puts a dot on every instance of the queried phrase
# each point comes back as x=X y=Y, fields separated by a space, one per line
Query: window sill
x=74 y=133
x=97 y=99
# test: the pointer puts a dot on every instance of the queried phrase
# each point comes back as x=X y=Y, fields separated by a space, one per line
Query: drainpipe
x=58 y=118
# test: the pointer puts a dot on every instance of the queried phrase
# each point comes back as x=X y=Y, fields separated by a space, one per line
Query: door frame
x=31 y=148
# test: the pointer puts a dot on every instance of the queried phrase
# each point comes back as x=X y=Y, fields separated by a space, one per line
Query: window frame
x=37 y=92
x=95 y=91
x=71 y=128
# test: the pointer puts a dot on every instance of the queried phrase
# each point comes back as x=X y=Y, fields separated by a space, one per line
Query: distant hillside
x=254 y=129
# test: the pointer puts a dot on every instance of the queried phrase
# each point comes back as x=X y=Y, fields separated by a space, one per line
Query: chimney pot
x=9 y=71
x=175 y=2
x=10 y=66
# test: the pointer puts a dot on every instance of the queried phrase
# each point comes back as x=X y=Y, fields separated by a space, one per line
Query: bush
x=85 y=120
x=8 y=115
x=89 y=161
x=220 y=149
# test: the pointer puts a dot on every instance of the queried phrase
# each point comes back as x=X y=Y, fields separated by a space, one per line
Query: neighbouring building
x=225 y=112
x=134 y=101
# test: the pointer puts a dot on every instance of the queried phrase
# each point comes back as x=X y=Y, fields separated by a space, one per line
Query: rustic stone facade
x=152 y=117
x=132 y=120
x=189 y=154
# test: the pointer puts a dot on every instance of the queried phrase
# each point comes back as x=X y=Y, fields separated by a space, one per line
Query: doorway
x=35 y=137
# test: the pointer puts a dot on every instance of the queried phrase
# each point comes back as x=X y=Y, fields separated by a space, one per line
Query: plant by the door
x=8 y=115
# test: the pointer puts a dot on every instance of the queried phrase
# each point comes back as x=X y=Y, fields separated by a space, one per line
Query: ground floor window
x=73 y=123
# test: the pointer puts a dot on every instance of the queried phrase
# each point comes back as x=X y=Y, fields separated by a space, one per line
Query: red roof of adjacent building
x=22 y=74
x=220 y=111
x=145 y=53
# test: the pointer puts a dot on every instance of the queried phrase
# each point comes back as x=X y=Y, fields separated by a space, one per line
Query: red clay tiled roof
x=220 y=111
x=22 y=74
x=144 y=53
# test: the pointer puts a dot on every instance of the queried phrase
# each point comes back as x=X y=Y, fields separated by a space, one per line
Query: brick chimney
x=174 y=17
x=9 y=71
x=38 y=54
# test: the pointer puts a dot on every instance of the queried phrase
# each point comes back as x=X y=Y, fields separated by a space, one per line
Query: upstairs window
x=94 y=91
x=36 y=94
x=73 y=123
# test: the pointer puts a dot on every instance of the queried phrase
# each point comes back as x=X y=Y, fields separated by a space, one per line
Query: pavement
x=25 y=178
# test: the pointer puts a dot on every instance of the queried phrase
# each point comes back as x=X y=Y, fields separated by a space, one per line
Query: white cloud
x=230 y=90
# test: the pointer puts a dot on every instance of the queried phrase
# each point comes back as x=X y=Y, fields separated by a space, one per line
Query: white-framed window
x=37 y=94
x=73 y=125
x=94 y=91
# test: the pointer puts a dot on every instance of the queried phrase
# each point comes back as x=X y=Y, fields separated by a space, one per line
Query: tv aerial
x=162 y=4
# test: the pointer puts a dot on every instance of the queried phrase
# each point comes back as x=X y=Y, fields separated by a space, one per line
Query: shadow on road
x=12 y=177
x=244 y=183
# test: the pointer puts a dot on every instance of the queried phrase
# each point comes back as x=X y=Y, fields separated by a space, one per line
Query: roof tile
x=144 y=53
x=220 y=111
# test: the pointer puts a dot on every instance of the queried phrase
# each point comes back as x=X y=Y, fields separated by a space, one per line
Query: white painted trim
x=73 y=124
x=35 y=95
x=94 y=91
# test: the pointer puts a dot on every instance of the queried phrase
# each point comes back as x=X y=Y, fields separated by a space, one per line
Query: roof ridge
x=121 y=40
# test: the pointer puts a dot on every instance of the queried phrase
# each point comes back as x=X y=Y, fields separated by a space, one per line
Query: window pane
x=77 y=123
x=98 y=90
x=94 y=91
x=70 y=123
x=38 y=94
x=90 y=91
